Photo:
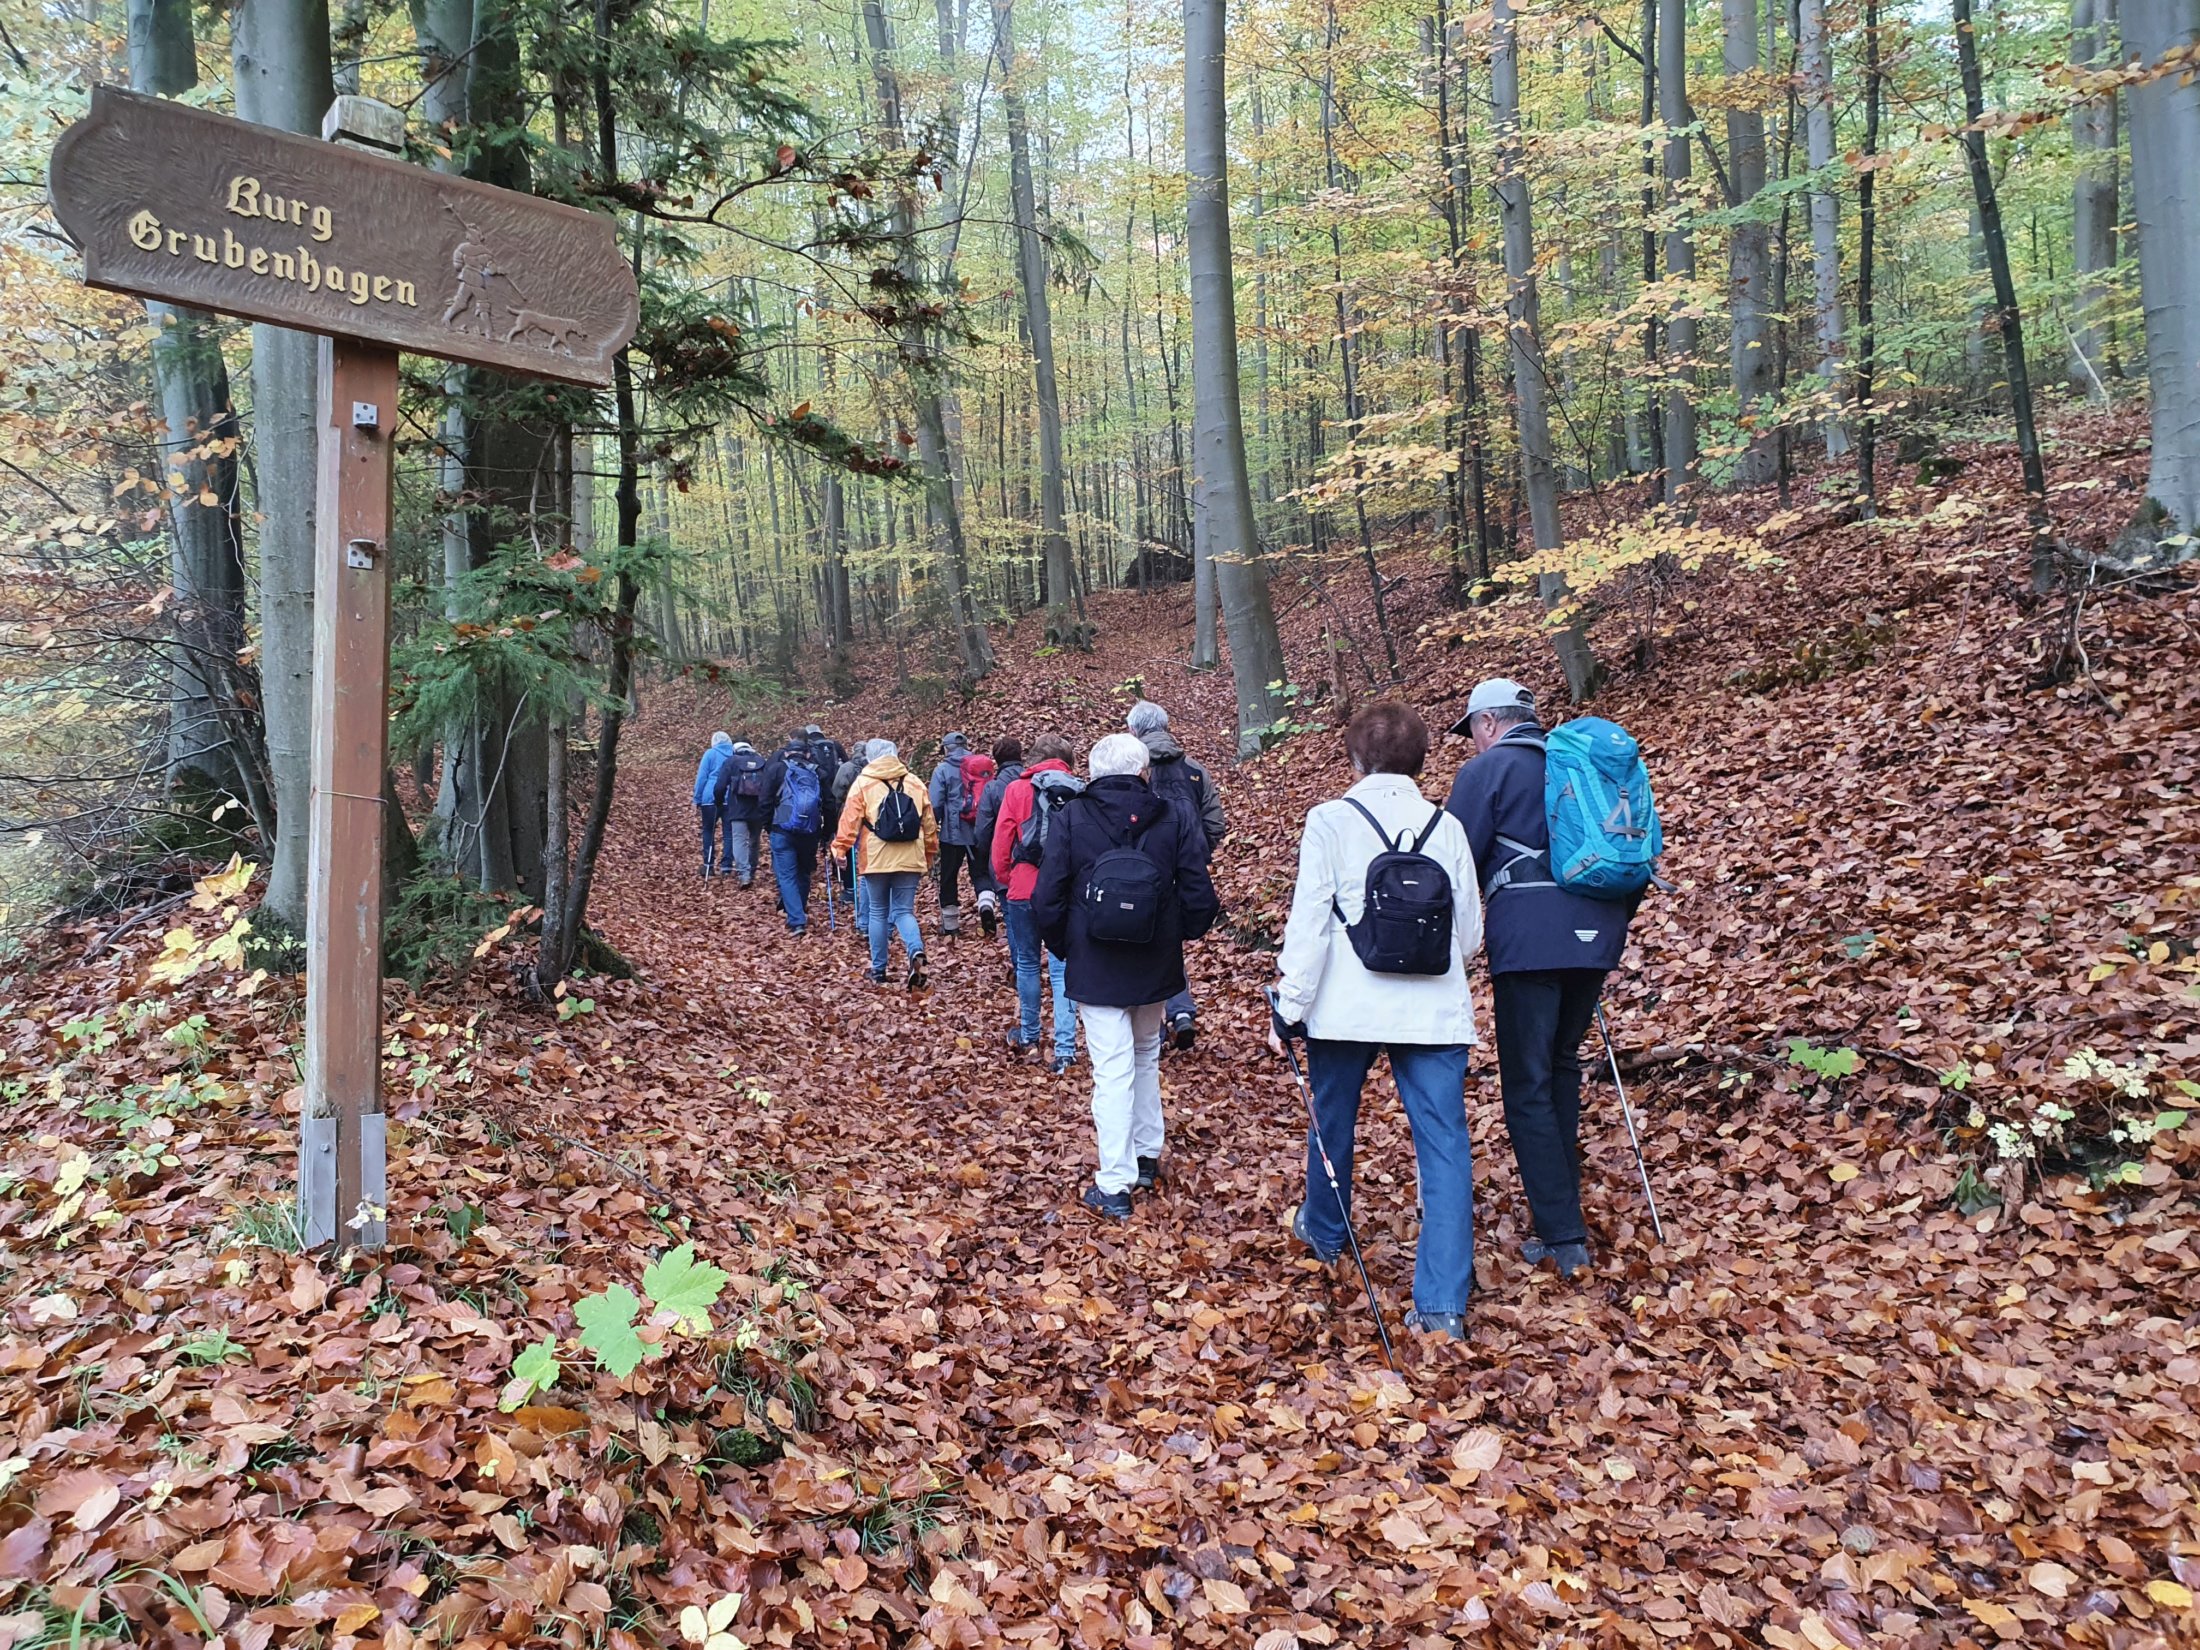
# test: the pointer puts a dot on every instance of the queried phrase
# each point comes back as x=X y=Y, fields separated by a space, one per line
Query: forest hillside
x=742 y=1302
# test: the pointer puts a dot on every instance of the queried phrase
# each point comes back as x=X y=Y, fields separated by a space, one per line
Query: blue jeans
x=1025 y=949
x=794 y=863
x=741 y=847
x=890 y=901
x=711 y=816
x=1432 y=1081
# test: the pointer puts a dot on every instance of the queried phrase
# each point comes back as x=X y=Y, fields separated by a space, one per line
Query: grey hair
x=1508 y=716
x=880 y=747
x=1118 y=754
x=1146 y=717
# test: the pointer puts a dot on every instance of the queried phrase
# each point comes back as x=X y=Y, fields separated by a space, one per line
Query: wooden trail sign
x=376 y=256
x=193 y=208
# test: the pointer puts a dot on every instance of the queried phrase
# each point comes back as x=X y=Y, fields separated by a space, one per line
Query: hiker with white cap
x=1549 y=947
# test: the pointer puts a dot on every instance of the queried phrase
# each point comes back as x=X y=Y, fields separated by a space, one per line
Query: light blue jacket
x=710 y=772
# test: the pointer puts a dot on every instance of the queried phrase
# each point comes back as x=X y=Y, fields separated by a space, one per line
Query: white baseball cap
x=1498 y=693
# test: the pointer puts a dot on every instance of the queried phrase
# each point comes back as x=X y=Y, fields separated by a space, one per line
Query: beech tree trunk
x=2008 y=318
x=1218 y=423
x=1065 y=608
x=279 y=64
x=1515 y=211
x=921 y=360
x=1749 y=251
x=1680 y=248
x=212 y=743
x=2093 y=203
x=2165 y=186
x=1825 y=207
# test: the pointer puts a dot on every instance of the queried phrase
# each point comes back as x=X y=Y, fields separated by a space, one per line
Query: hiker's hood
x=1161 y=745
x=744 y=745
x=721 y=741
x=888 y=768
x=955 y=744
x=1125 y=801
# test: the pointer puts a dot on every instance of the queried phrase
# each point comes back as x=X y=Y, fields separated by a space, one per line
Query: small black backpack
x=896 y=818
x=1125 y=892
x=1405 y=923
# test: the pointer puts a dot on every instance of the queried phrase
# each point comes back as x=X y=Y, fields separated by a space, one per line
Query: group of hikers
x=1539 y=858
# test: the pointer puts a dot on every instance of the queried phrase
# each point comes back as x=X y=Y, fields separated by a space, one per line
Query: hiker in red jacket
x=1019 y=841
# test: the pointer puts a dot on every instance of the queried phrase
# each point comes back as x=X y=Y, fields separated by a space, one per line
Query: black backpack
x=896 y=818
x=1405 y=923
x=1125 y=892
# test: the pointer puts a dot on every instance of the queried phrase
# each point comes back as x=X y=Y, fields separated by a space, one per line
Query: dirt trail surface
x=940 y=1405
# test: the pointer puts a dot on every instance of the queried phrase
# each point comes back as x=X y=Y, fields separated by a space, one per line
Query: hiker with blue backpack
x=1385 y=917
x=1565 y=839
x=796 y=788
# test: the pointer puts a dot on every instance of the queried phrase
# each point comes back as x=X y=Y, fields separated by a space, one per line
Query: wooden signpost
x=378 y=257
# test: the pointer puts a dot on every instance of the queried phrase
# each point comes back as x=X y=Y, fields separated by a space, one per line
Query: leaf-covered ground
x=938 y=1405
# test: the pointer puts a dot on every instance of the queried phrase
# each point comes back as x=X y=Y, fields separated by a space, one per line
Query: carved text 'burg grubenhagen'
x=295 y=262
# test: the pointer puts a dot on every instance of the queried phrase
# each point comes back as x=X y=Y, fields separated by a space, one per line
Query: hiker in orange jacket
x=888 y=819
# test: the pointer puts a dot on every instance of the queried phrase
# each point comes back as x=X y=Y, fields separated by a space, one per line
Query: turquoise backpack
x=1605 y=835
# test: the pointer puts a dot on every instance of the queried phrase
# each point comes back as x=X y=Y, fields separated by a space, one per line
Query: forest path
x=1808 y=1418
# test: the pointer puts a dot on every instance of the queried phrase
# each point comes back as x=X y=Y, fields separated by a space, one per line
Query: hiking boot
x=1453 y=1324
x=877 y=976
x=1061 y=1063
x=1328 y=1257
x=1149 y=1173
x=988 y=918
x=1018 y=1043
x=1107 y=1205
x=917 y=975
x=1569 y=1258
x=1183 y=1030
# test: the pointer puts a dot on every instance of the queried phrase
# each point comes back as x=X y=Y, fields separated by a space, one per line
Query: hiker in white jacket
x=1413 y=1004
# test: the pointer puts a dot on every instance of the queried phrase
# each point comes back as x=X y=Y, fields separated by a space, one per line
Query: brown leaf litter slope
x=939 y=1406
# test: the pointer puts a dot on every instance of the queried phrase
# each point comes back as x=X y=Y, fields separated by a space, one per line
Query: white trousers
x=1125 y=1047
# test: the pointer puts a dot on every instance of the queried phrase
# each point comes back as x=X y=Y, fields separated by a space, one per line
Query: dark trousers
x=710 y=815
x=1541 y=1019
x=953 y=856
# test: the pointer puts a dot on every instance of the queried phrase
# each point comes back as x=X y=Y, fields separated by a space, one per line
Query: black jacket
x=1527 y=930
x=1123 y=976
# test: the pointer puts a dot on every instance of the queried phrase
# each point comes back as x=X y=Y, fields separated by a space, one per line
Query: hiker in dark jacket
x=1185 y=783
x=843 y=779
x=796 y=789
x=826 y=753
x=1549 y=949
x=748 y=805
x=1008 y=766
x=956 y=831
x=1120 y=987
x=710 y=796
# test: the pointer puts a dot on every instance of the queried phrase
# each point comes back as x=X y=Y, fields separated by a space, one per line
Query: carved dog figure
x=555 y=329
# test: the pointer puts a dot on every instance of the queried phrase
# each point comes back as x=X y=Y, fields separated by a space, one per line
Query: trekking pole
x=1633 y=1139
x=832 y=875
x=1314 y=1128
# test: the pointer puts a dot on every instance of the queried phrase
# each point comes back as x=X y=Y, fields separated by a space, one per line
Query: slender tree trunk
x=1065 y=616
x=282 y=76
x=1825 y=207
x=213 y=743
x=2093 y=202
x=1515 y=210
x=1218 y=424
x=1680 y=249
x=1749 y=251
x=1867 y=253
x=921 y=359
x=2165 y=187
x=2007 y=316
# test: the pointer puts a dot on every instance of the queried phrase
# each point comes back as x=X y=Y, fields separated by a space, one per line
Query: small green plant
x=1825 y=1064
x=889 y=1523
x=572 y=1008
x=214 y=1347
x=1284 y=726
x=534 y=1370
x=681 y=1291
x=464 y=1220
x=1972 y=1194
x=1958 y=1077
